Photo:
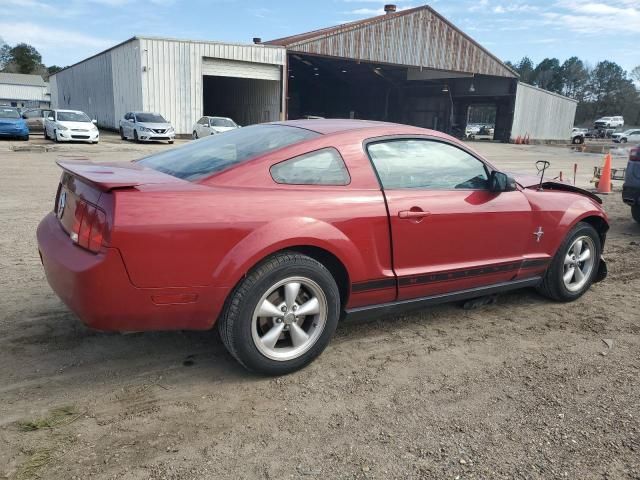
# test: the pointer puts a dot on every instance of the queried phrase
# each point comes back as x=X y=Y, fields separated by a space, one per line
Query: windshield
x=201 y=158
x=73 y=117
x=150 y=118
x=9 y=113
x=222 y=122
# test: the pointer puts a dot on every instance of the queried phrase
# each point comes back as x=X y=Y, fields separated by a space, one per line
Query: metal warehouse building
x=411 y=66
x=21 y=90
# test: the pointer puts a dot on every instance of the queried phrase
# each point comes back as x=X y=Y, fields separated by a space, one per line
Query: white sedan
x=212 y=125
x=70 y=126
x=632 y=136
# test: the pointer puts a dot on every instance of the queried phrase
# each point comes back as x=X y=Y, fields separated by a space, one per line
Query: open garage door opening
x=245 y=100
x=337 y=88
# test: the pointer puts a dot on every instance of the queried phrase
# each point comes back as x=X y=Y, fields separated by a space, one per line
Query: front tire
x=55 y=136
x=122 y=137
x=635 y=213
x=574 y=266
x=135 y=136
x=194 y=135
x=282 y=315
x=623 y=140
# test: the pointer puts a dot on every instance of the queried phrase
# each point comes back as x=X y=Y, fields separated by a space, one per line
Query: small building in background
x=24 y=91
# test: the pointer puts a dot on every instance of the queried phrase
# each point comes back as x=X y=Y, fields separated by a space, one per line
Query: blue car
x=12 y=124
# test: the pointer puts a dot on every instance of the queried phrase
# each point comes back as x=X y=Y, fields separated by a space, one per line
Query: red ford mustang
x=276 y=231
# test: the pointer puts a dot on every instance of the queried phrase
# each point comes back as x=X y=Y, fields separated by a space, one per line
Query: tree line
x=603 y=90
x=23 y=58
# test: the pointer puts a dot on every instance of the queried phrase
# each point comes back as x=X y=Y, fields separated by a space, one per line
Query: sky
x=69 y=31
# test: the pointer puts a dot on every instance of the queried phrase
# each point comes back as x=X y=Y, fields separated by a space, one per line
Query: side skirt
x=401 y=306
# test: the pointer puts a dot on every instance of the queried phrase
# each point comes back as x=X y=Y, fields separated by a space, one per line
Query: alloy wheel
x=579 y=262
x=289 y=318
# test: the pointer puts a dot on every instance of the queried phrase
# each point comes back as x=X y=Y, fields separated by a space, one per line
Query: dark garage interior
x=245 y=100
x=339 y=88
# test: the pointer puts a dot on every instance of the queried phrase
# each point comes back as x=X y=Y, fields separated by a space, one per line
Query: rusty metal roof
x=417 y=37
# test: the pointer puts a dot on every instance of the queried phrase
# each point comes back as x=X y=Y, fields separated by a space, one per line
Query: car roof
x=330 y=126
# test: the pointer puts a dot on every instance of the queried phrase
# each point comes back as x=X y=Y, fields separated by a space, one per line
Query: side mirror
x=50 y=118
x=94 y=121
x=501 y=182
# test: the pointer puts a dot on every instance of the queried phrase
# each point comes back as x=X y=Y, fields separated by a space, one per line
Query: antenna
x=541 y=166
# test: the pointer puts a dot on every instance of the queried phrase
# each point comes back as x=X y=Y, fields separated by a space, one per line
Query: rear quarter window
x=322 y=167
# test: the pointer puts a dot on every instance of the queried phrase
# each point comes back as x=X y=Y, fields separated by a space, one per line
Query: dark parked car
x=631 y=187
x=35 y=119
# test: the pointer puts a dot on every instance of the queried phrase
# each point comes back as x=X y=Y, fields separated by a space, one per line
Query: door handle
x=413 y=214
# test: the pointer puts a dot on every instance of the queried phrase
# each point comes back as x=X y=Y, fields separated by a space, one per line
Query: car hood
x=533 y=182
x=77 y=125
x=222 y=129
x=12 y=121
x=154 y=125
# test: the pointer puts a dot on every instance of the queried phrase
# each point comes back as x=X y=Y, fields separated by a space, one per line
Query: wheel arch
x=599 y=223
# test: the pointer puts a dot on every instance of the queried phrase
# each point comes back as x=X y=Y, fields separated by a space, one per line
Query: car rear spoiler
x=109 y=176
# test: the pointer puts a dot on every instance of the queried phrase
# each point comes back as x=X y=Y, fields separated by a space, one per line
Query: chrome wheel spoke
x=298 y=336
x=585 y=255
x=270 y=338
x=579 y=275
x=577 y=248
x=568 y=276
x=568 y=260
x=268 y=309
x=291 y=291
x=310 y=307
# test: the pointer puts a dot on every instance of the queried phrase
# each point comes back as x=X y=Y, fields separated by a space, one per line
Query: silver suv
x=631 y=187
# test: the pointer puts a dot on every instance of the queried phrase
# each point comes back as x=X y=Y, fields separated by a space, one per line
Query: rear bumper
x=96 y=287
x=631 y=195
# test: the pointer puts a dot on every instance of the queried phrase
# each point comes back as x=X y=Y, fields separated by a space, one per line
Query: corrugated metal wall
x=173 y=81
x=23 y=92
x=126 y=69
x=420 y=38
x=542 y=115
x=88 y=87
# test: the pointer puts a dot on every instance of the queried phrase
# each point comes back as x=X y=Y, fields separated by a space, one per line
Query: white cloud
x=46 y=38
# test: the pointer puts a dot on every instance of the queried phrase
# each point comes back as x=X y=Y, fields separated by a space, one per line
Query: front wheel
x=170 y=142
x=282 y=315
x=575 y=265
x=623 y=140
x=122 y=137
x=194 y=135
x=135 y=136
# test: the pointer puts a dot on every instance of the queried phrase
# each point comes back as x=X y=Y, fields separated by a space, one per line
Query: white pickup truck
x=146 y=127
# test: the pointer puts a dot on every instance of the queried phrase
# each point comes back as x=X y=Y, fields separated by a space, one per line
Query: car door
x=448 y=231
x=634 y=136
x=48 y=121
x=203 y=127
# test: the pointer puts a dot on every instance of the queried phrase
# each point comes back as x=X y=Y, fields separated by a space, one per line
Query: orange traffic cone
x=604 y=185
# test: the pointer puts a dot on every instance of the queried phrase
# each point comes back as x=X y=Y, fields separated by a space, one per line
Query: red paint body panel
x=176 y=249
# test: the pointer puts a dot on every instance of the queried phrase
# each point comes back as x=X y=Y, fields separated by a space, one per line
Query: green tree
x=547 y=75
x=24 y=58
x=635 y=73
x=525 y=70
x=574 y=77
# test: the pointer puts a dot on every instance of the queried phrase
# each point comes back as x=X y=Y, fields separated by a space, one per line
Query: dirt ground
x=526 y=388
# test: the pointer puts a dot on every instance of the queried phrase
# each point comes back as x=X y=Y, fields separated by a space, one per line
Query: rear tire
x=559 y=283
x=284 y=284
x=635 y=213
x=46 y=137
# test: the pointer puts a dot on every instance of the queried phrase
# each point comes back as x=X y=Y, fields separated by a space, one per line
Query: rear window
x=150 y=118
x=9 y=113
x=204 y=157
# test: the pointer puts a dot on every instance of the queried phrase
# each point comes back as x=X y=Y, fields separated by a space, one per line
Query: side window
x=426 y=164
x=203 y=121
x=322 y=167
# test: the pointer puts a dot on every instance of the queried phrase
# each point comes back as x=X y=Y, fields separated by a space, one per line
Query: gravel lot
x=525 y=388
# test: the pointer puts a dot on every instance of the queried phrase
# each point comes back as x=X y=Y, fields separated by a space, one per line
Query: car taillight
x=89 y=225
x=634 y=155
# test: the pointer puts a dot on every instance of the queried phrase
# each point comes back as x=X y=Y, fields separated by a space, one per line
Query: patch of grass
x=29 y=469
x=56 y=417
